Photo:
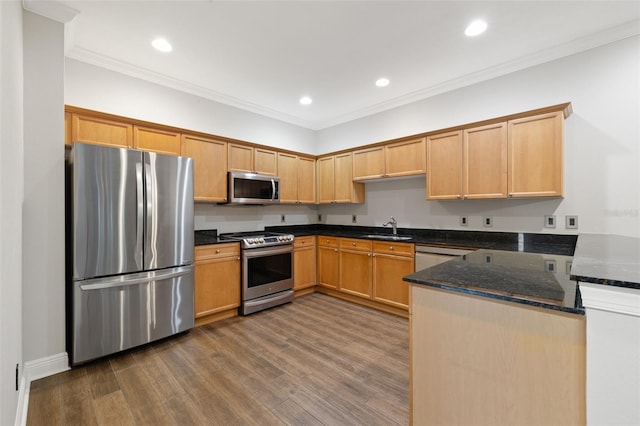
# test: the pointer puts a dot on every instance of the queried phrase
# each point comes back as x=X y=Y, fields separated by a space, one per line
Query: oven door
x=266 y=271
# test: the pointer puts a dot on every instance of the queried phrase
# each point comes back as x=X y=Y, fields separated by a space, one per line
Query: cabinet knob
x=511 y=194
x=353 y=244
x=369 y=254
x=335 y=249
x=465 y=196
x=458 y=196
x=217 y=250
x=238 y=258
x=390 y=247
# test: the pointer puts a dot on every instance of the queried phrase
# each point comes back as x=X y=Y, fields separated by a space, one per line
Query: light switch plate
x=572 y=222
x=549 y=221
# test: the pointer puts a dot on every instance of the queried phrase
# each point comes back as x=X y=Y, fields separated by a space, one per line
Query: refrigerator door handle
x=102 y=283
x=139 y=215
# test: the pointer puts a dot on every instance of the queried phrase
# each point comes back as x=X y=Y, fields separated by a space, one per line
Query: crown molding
x=90 y=57
x=610 y=35
x=602 y=38
x=51 y=9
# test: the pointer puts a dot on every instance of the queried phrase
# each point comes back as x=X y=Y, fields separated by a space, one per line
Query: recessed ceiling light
x=475 y=28
x=305 y=100
x=162 y=45
x=382 y=82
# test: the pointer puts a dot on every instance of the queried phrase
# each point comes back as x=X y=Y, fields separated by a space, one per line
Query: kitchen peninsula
x=497 y=337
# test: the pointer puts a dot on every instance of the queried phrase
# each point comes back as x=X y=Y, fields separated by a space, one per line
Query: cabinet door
x=209 y=167
x=388 y=286
x=155 y=140
x=368 y=163
x=217 y=285
x=485 y=161
x=306 y=180
x=346 y=190
x=326 y=176
x=100 y=131
x=328 y=267
x=304 y=262
x=406 y=158
x=444 y=166
x=288 y=174
x=265 y=162
x=535 y=156
x=355 y=272
x=240 y=158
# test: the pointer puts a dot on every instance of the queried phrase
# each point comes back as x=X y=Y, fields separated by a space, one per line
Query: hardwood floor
x=317 y=361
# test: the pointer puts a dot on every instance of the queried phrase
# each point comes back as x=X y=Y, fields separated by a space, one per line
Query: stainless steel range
x=267 y=269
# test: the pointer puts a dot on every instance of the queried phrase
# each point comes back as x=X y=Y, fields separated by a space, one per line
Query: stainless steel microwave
x=252 y=188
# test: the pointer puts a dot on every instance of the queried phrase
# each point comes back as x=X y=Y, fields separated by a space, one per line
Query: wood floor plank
x=112 y=409
x=316 y=361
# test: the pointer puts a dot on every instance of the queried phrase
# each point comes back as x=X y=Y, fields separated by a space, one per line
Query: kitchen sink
x=388 y=237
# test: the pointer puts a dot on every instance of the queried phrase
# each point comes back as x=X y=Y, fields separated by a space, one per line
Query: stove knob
x=261 y=240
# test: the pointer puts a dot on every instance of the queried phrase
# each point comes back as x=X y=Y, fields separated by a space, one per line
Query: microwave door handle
x=273 y=189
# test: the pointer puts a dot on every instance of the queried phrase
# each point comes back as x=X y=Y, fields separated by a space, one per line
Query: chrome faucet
x=394 y=224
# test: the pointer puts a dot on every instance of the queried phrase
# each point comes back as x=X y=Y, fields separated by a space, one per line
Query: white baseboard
x=34 y=370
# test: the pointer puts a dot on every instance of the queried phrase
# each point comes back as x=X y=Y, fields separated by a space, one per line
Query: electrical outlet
x=549 y=221
x=488 y=258
x=464 y=221
x=567 y=266
x=282 y=218
x=572 y=222
x=487 y=222
x=319 y=218
x=353 y=218
x=550 y=265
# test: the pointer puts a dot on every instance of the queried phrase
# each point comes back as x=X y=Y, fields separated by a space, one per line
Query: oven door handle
x=267 y=251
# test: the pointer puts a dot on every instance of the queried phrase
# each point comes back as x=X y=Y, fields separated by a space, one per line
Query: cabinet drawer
x=399 y=249
x=327 y=241
x=306 y=241
x=354 y=244
x=216 y=251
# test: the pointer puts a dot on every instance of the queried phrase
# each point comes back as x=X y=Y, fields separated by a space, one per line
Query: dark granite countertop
x=207 y=237
x=507 y=241
x=607 y=259
x=532 y=279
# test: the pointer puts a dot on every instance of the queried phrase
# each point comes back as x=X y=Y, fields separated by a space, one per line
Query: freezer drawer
x=117 y=313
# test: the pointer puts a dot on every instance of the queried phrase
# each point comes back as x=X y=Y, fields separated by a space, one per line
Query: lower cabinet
x=366 y=272
x=304 y=263
x=391 y=262
x=328 y=262
x=217 y=282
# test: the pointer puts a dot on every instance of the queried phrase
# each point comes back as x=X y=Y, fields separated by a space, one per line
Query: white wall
x=602 y=146
x=11 y=192
x=43 y=209
x=96 y=88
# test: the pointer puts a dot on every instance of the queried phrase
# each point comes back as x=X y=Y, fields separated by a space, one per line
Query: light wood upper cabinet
x=392 y=160
x=444 y=165
x=244 y=158
x=535 y=156
x=468 y=164
x=156 y=140
x=209 y=167
x=304 y=262
x=100 y=131
x=326 y=179
x=485 y=162
x=369 y=163
x=406 y=158
x=335 y=180
x=297 y=178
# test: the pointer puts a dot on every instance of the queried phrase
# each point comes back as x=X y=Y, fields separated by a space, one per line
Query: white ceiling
x=263 y=56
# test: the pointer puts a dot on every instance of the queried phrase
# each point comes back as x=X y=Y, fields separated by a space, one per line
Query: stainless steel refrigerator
x=131 y=220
